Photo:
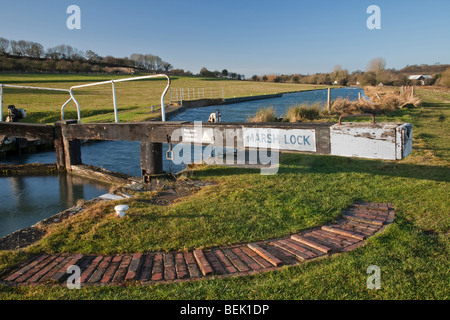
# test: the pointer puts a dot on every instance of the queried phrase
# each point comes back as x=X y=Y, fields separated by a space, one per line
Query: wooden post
x=151 y=160
x=329 y=100
x=68 y=152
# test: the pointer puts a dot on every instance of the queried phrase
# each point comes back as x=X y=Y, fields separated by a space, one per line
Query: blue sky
x=245 y=36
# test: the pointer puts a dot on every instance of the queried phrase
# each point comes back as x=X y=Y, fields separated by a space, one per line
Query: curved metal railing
x=72 y=97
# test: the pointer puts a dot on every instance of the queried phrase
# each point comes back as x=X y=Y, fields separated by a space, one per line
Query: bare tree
x=92 y=56
x=35 y=50
x=376 y=64
x=167 y=67
x=138 y=60
x=4 y=45
x=19 y=48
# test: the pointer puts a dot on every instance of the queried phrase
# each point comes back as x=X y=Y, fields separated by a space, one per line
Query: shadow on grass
x=52 y=117
x=298 y=164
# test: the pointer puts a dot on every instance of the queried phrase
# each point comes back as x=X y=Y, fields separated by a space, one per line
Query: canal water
x=27 y=200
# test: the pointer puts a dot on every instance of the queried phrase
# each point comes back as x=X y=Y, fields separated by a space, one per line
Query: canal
x=27 y=200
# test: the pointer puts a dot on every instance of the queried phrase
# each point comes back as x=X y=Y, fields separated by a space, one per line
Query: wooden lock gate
x=387 y=141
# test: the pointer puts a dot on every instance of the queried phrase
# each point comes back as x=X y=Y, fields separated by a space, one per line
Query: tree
x=4 y=45
x=369 y=79
x=206 y=73
x=91 y=56
x=167 y=67
x=264 y=78
x=444 y=80
x=339 y=75
x=224 y=73
x=138 y=60
x=376 y=65
x=35 y=50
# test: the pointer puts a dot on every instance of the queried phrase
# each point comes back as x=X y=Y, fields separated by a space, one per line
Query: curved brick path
x=357 y=223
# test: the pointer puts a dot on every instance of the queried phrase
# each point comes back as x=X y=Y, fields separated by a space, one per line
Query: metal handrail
x=25 y=87
x=163 y=113
x=72 y=97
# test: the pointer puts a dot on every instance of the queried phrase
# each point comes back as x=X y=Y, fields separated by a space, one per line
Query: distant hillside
x=424 y=69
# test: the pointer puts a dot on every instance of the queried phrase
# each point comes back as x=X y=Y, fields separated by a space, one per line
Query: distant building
x=420 y=77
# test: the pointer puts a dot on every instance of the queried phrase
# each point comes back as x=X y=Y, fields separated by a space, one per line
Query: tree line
x=31 y=56
x=374 y=74
x=204 y=72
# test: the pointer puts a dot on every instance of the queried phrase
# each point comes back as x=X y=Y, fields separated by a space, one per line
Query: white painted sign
x=198 y=135
x=280 y=139
x=389 y=141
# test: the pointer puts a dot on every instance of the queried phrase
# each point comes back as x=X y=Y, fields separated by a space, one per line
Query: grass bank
x=134 y=98
x=308 y=190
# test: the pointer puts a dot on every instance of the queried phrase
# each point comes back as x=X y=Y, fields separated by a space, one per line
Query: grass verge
x=308 y=191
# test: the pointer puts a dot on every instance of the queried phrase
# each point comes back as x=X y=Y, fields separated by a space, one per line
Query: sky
x=245 y=36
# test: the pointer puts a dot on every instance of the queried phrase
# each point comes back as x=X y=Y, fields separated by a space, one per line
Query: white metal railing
x=181 y=94
x=72 y=97
x=25 y=87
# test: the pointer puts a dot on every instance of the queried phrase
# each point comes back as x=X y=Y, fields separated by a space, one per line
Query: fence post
x=116 y=118
x=68 y=152
x=329 y=99
x=151 y=160
x=1 y=102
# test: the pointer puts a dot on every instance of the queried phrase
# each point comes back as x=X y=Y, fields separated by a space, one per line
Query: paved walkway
x=357 y=223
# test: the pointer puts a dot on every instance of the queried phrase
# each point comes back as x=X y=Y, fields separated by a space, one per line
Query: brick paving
x=357 y=223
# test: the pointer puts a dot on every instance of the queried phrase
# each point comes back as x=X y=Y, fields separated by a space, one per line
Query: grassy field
x=134 y=99
x=309 y=190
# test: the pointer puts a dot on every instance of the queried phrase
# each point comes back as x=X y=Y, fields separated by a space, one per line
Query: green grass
x=309 y=190
x=134 y=98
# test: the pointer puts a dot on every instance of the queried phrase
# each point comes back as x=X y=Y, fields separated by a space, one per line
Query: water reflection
x=27 y=200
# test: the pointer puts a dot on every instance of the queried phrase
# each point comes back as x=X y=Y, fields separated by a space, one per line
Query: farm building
x=420 y=77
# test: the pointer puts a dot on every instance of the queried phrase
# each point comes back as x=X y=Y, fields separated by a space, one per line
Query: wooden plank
x=111 y=270
x=194 y=270
x=90 y=269
x=285 y=246
x=240 y=265
x=215 y=263
x=180 y=266
x=62 y=273
x=204 y=265
x=134 y=266
x=352 y=234
x=169 y=267
x=98 y=273
x=361 y=219
x=228 y=265
x=27 y=130
x=260 y=260
x=158 y=268
x=145 y=272
x=266 y=255
x=245 y=258
x=27 y=266
x=121 y=272
x=311 y=243
x=158 y=132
